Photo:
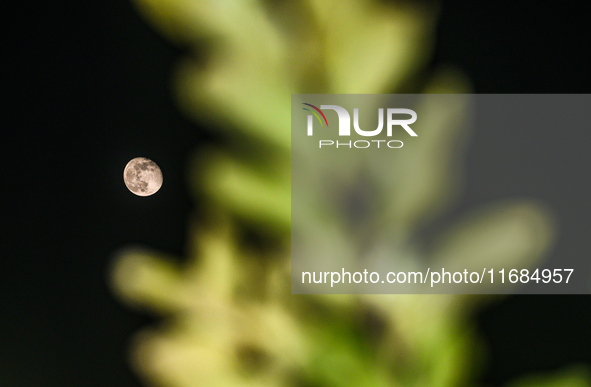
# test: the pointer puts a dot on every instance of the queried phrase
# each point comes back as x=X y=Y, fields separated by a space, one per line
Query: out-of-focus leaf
x=371 y=46
x=427 y=175
x=145 y=279
x=261 y=198
x=511 y=235
x=217 y=92
x=574 y=377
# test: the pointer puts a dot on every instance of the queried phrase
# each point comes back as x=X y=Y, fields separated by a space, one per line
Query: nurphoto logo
x=393 y=119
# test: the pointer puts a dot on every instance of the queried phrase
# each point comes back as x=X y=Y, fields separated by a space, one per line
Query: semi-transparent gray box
x=370 y=173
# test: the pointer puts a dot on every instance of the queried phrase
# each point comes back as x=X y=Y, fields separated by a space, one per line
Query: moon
x=142 y=176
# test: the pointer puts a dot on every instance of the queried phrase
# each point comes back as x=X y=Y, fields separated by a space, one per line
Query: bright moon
x=142 y=176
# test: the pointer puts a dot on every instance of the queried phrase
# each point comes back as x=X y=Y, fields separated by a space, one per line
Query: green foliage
x=230 y=317
x=573 y=377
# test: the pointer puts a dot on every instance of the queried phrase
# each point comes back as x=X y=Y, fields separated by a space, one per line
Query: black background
x=88 y=89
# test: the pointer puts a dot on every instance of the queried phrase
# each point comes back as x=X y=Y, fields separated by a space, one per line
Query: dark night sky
x=89 y=89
